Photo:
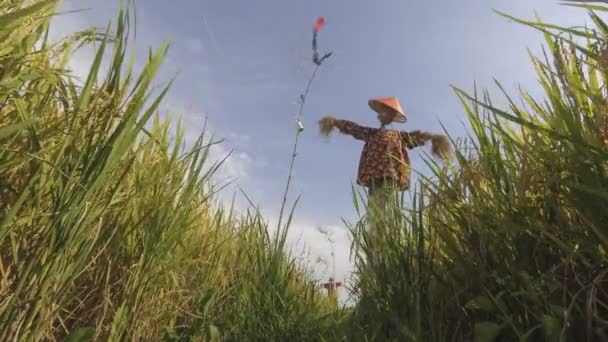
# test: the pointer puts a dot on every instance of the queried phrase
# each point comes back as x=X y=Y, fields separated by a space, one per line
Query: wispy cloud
x=323 y=249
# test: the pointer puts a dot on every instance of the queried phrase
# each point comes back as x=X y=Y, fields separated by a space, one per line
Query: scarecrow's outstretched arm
x=357 y=131
x=328 y=123
x=415 y=139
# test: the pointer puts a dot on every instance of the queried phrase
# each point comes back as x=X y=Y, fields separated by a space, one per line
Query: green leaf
x=557 y=310
x=119 y=323
x=482 y=303
x=544 y=28
x=12 y=129
x=552 y=328
x=541 y=26
x=589 y=7
x=82 y=334
x=9 y=19
x=486 y=331
x=88 y=86
x=214 y=333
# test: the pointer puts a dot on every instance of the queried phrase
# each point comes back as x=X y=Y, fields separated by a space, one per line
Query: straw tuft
x=441 y=147
x=326 y=125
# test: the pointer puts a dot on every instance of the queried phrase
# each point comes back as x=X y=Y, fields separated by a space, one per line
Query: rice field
x=110 y=227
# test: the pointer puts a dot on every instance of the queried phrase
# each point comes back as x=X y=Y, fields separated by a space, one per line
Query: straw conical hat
x=391 y=103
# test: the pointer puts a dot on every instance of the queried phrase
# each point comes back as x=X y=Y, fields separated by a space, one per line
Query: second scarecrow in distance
x=384 y=166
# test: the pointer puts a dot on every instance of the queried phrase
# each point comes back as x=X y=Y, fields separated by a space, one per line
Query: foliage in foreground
x=509 y=245
x=108 y=229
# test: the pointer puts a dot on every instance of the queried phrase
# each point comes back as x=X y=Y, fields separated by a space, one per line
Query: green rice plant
x=510 y=243
x=108 y=230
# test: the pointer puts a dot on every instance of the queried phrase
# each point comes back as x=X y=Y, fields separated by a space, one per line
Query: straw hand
x=327 y=124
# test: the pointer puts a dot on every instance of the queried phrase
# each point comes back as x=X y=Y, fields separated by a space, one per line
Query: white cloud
x=312 y=243
x=237 y=163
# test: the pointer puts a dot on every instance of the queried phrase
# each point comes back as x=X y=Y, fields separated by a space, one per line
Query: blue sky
x=242 y=64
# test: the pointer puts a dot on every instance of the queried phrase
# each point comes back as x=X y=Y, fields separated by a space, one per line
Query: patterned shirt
x=384 y=156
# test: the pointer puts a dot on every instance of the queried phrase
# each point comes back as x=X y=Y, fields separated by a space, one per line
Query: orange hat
x=391 y=103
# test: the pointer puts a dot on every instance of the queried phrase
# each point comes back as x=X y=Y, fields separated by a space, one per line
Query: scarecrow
x=332 y=287
x=384 y=166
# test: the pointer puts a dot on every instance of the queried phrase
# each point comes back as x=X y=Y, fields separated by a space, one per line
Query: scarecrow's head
x=386 y=116
x=388 y=110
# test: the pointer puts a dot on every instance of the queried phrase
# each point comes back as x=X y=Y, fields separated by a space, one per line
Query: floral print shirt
x=384 y=156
